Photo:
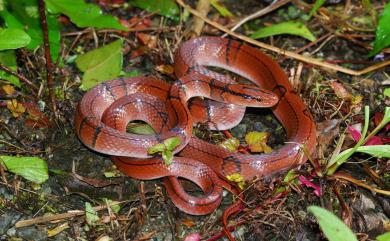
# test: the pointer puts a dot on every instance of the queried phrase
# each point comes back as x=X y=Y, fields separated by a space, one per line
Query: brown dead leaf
x=340 y=91
x=36 y=118
x=148 y=40
x=188 y=223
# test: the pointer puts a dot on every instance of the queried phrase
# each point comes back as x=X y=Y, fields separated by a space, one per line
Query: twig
x=275 y=5
x=55 y=217
x=342 y=175
x=19 y=76
x=287 y=53
x=49 y=63
x=203 y=7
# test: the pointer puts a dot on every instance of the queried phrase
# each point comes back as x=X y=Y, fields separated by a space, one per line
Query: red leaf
x=308 y=183
x=192 y=237
x=354 y=133
x=375 y=140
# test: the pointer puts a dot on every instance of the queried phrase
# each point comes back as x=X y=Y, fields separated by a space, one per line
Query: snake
x=201 y=93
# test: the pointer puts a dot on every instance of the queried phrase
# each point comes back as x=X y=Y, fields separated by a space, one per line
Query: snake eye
x=249 y=95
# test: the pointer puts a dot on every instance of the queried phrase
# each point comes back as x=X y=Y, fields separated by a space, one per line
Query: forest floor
x=79 y=175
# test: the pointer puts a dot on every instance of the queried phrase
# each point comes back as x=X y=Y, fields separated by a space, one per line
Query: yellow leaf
x=8 y=89
x=237 y=178
x=57 y=230
x=356 y=99
x=231 y=144
x=257 y=141
x=16 y=108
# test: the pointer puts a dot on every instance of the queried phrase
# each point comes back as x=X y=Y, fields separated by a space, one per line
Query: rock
x=7 y=220
x=31 y=233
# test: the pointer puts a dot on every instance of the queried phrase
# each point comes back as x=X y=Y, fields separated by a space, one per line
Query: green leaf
x=376 y=150
x=83 y=14
x=316 y=6
x=387 y=92
x=291 y=27
x=382 y=33
x=342 y=157
x=384 y=237
x=23 y=14
x=221 y=9
x=8 y=58
x=90 y=214
x=160 y=147
x=113 y=205
x=167 y=155
x=100 y=64
x=167 y=8
x=333 y=228
x=140 y=129
x=12 y=38
x=32 y=168
x=172 y=142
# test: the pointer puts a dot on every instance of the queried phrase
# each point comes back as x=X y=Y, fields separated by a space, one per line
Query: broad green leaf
x=221 y=9
x=12 y=38
x=333 y=228
x=376 y=150
x=90 y=214
x=316 y=6
x=83 y=14
x=167 y=8
x=100 y=64
x=172 y=142
x=387 y=92
x=291 y=27
x=384 y=237
x=140 y=129
x=382 y=33
x=167 y=155
x=160 y=147
x=23 y=14
x=32 y=168
x=8 y=58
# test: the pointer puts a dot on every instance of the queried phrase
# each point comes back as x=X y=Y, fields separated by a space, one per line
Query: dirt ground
x=77 y=173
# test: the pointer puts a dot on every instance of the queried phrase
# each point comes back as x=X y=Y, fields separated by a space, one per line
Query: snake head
x=248 y=95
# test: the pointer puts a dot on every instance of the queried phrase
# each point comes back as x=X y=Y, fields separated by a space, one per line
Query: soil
x=146 y=210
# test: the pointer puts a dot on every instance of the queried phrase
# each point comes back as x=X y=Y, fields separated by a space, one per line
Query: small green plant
x=165 y=148
x=374 y=150
x=335 y=229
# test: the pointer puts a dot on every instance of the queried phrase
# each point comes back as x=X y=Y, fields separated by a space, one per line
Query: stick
x=49 y=63
x=55 y=217
x=19 y=76
x=287 y=53
x=203 y=7
x=275 y=5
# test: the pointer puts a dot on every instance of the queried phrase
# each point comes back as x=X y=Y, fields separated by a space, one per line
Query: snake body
x=105 y=110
